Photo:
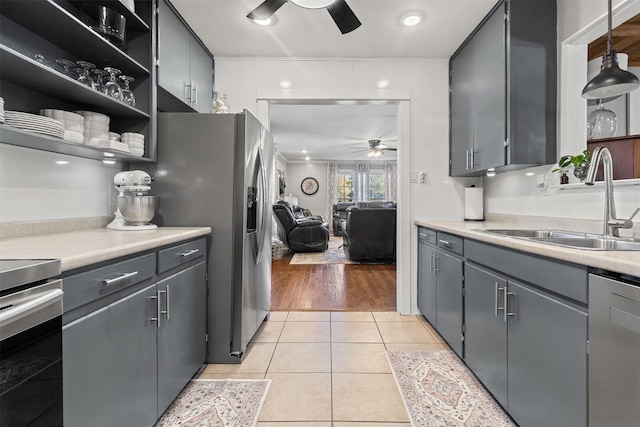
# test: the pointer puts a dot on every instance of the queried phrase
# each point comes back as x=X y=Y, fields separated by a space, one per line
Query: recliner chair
x=300 y=235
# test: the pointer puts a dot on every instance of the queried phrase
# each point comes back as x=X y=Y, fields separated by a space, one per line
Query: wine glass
x=127 y=95
x=67 y=67
x=83 y=73
x=111 y=87
x=99 y=78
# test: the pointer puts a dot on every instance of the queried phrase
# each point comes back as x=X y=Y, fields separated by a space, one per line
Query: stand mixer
x=135 y=209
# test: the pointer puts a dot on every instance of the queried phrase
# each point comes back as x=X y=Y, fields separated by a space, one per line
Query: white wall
x=296 y=172
x=34 y=187
x=517 y=193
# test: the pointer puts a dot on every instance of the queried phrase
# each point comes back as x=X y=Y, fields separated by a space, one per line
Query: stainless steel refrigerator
x=216 y=170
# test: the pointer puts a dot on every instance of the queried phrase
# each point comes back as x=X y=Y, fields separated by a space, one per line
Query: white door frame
x=404 y=290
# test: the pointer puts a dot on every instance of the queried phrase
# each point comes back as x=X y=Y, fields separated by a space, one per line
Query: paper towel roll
x=473 y=204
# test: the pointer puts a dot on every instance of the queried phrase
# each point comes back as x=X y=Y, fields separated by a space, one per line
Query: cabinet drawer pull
x=445 y=243
x=115 y=280
x=187 y=92
x=195 y=95
x=188 y=253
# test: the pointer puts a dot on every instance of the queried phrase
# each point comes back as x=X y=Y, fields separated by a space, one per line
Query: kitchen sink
x=593 y=243
x=513 y=232
x=570 y=239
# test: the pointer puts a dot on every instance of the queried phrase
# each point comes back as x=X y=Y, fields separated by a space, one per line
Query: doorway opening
x=339 y=286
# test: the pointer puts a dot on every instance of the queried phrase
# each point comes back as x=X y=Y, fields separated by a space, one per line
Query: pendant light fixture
x=612 y=81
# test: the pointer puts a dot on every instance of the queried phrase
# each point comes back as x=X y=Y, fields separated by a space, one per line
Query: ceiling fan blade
x=343 y=16
x=390 y=149
x=266 y=9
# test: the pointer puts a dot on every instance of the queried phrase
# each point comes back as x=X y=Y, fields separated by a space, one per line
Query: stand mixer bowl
x=138 y=210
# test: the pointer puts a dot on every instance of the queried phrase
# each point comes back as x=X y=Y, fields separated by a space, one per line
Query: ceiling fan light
x=312 y=4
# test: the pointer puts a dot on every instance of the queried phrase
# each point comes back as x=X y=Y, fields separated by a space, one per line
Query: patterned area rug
x=333 y=255
x=438 y=390
x=219 y=403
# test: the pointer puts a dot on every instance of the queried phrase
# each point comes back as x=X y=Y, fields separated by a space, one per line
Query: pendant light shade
x=612 y=81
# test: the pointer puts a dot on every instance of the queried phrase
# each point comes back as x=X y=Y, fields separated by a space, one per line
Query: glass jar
x=220 y=103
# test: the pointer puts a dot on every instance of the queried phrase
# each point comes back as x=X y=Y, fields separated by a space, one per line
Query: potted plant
x=579 y=163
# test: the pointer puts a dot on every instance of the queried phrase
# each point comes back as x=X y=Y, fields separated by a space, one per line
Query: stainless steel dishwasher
x=614 y=351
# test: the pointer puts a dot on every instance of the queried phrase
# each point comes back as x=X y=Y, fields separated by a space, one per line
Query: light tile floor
x=330 y=369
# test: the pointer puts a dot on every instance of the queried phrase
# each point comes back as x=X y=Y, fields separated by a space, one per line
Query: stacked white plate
x=73 y=123
x=96 y=128
x=114 y=136
x=1 y=109
x=135 y=141
x=34 y=123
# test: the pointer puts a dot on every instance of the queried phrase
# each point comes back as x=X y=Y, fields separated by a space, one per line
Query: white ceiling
x=327 y=131
x=333 y=132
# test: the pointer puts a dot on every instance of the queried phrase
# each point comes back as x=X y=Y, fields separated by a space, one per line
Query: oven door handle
x=30 y=312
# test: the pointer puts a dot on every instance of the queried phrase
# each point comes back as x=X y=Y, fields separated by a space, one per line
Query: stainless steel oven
x=30 y=343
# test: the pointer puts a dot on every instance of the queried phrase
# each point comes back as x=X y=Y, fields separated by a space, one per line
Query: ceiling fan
x=339 y=10
x=376 y=149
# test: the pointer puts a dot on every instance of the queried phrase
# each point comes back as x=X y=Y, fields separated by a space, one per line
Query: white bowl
x=71 y=136
x=137 y=151
x=73 y=126
x=132 y=135
x=96 y=133
x=92 y=124
x=114 y=136
x=96 y=117
x=62 y=115
x=139 y=145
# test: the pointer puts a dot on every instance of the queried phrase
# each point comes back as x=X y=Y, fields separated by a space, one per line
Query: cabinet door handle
x=115 y=280
x=467 y=161
x=187 y=92
x=188 y=253
x=473 y=159
x=157 y=318
x=195 y=94
x=166 y=302
x=507 y=313
x=436 y=268
x=498 y=289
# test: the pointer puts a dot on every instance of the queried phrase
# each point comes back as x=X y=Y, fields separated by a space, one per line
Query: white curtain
x=390 y=181
x=332 y=192
x=361 y=182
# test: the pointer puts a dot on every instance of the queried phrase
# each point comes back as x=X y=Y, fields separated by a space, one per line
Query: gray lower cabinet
x=181 y=347
x=133 y=338
x=427 y=286
x=547 y=360
x=449 y=299
x=527 y=344
x=440 y=287
x=109 y=362
x=486 y=329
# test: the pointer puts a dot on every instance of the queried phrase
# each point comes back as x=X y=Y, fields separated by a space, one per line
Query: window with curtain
x=361 y=182
x=345 y=186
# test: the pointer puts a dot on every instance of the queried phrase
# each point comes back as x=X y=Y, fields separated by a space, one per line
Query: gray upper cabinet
x=185 y=70
x=503 y=90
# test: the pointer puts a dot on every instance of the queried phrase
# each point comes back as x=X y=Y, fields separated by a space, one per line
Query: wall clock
x=309 y=186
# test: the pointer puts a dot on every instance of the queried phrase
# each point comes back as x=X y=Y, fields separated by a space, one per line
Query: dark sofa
x=300 y=234
x=369 y=234
x=340 y=212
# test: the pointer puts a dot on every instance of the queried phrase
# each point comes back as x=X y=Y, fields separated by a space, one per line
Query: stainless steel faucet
x=611 y=224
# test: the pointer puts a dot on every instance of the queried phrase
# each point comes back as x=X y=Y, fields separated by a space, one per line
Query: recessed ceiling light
x=411 y=19
x=312 y=4
x=383 y=83
x=109 y=155
x=285 y=84
x=304 y=151
x=109 y=161
x=491 y=169
x=529 y=174
x=62 y=162
x=491 y=173
x=307 y=158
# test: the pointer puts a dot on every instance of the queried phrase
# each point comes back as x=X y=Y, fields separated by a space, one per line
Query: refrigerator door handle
x=262 y=202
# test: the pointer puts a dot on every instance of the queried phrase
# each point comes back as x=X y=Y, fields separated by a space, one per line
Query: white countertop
x=626 y=262
x=81 y=248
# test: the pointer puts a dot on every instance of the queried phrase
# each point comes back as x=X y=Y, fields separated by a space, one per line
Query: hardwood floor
x=332 y=287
